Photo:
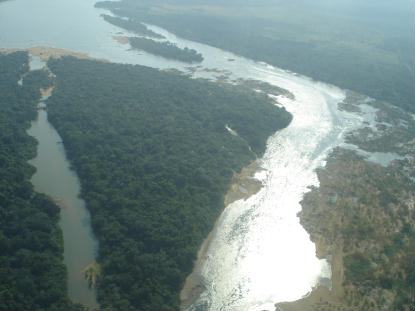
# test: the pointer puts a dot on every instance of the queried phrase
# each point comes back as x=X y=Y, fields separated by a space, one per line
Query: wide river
x=259 y=254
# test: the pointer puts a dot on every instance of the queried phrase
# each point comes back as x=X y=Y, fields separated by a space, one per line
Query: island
x=131 y=25
x=166 y=49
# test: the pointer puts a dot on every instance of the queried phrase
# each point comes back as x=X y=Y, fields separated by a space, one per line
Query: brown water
x=55 y=178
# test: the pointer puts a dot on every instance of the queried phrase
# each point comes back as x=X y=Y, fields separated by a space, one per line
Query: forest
x=342 y=42
x=166 y=49
x=155 y=160
x=32 y=274
x=361 y=213
x=131 y=25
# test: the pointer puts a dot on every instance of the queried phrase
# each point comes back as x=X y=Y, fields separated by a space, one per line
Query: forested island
x=131 y=25
x=155 y=159
x=166 y=49
x=32 y=274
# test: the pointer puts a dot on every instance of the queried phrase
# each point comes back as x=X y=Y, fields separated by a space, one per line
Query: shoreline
x=321 y=294
x=243 y=185
x=346 y=202
x=72 y=209
x=45 y=53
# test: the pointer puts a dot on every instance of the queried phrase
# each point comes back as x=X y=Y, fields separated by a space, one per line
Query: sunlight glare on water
x=260 y=253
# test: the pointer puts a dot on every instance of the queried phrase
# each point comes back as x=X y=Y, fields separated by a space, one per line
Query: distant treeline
x=155 y=161
x=365 y=46
x=32 y=275
x=131 y=25
x=166 y=49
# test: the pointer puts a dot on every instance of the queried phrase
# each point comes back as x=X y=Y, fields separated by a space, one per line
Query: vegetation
x=155 y=159
x=166 y=49
x=393 y=130
x=342 y=42
x=358 y=268
x=363 y=215
x=32 y=275
x=131 y=25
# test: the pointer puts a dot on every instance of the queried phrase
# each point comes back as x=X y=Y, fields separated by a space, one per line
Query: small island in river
x=131 y=25
x=166 y=50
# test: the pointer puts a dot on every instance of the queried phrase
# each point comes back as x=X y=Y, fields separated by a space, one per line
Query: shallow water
x=260 y=253
x=54 y=178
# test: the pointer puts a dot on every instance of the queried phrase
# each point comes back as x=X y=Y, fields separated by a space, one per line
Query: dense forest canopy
x=32 y=275
x=166 y=49
x=131 y=25
x=155 y=159
x=365 y=46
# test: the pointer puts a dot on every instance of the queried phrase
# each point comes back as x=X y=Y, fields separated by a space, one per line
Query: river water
x=54 y=178
x=260 y=254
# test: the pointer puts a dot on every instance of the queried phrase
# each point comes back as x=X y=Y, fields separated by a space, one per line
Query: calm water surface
x=54 y=178
x=260 y=253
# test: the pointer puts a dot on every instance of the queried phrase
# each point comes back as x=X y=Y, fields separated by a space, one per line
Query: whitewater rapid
x=259 y=254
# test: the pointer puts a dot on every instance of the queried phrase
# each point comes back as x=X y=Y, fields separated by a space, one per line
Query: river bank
x=33 y=274
x=44 y=53
x=251 y=265
x=363 y=224
x=55 y=178
x=243 y=185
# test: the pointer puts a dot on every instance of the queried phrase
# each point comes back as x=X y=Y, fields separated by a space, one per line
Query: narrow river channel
x=54 y=178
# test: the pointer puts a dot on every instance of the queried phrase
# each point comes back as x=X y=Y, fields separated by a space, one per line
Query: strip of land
x=45 y=53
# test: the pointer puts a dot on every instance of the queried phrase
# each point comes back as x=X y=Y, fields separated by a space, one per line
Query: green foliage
x=377 y=234
x=32 y=276
x=166 y=49
x=341 y=42
x=155 y=160
x=131 y=25
x=358 y=268
x=40 y=78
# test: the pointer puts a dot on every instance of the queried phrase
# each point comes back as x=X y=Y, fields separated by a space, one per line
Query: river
x=259 y=254
x=55 y=178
